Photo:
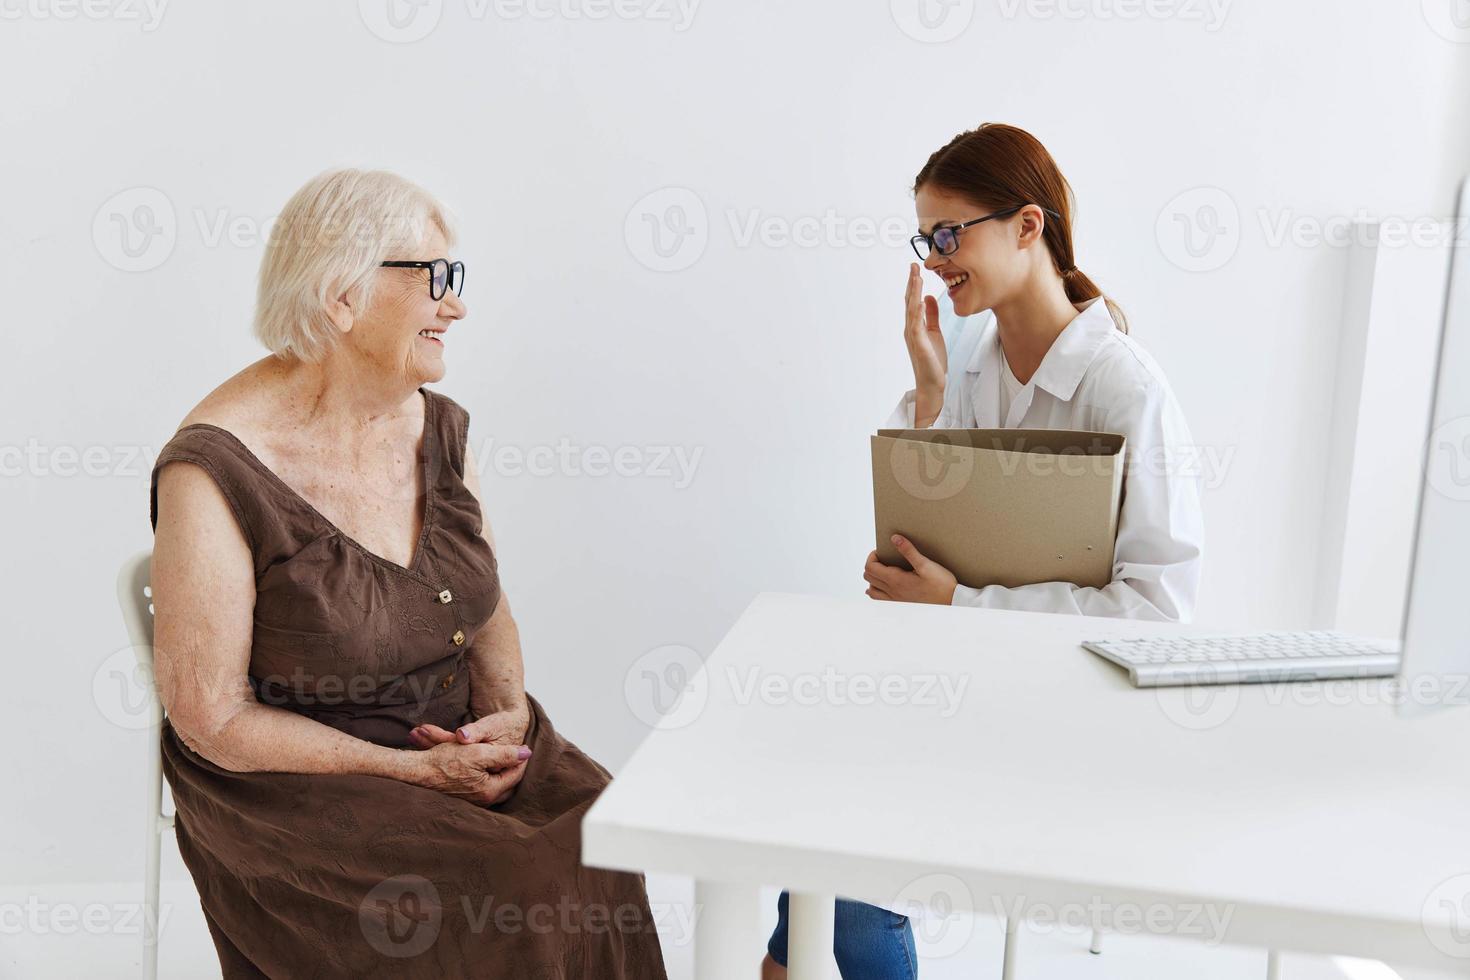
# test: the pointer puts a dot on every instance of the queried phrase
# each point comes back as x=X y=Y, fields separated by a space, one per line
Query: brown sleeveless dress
x=312 y=876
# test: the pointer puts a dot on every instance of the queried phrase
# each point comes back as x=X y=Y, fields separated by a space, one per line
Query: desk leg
x=1096 y=945
x=728 y=944
x=1273 y=965
x=809 y=947
x=1008 y=961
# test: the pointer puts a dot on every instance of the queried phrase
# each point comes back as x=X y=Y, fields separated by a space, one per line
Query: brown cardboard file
x=1001 y=506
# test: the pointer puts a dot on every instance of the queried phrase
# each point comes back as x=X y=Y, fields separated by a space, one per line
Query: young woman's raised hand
x=926 y=349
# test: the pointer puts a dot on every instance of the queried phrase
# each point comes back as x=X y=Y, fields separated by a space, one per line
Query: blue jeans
x=870 y=943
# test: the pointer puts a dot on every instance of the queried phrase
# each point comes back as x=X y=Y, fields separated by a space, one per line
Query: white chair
x=135 y=595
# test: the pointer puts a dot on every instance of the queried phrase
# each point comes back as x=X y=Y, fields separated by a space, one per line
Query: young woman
x=995 y=227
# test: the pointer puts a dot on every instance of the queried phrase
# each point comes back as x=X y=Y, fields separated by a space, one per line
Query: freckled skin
x=313 y=423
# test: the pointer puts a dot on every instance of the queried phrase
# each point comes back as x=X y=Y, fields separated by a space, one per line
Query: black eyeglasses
x=946 y=240
x=443 y=274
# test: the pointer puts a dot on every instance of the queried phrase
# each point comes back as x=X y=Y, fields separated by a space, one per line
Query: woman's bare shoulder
x=242 y=402
x=240 y=405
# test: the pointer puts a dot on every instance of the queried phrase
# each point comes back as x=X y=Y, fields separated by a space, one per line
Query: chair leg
x=1008 y=961
x=150 y=901
x=1273 y=965
x=157 y=823
x=1095 y=947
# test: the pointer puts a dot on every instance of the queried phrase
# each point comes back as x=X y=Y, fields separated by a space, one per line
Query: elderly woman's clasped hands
x=483 y=761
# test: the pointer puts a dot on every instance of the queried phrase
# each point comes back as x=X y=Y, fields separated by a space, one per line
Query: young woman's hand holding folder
x=928 y=582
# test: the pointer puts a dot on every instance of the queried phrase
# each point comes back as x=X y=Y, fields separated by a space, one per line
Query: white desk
x=1310 y=819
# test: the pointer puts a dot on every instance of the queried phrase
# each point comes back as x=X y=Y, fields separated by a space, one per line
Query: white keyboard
x=1161 y=661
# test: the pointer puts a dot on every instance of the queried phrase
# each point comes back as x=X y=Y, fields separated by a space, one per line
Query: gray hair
x=328 y=242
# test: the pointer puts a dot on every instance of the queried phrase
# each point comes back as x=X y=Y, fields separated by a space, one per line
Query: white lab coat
x=1097 y=379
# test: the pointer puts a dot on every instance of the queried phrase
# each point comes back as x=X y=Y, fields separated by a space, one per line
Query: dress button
x=446 y=597
x=458 y=637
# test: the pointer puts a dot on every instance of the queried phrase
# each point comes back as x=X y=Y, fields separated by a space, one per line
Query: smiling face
x=994 y=257
x=402 y=331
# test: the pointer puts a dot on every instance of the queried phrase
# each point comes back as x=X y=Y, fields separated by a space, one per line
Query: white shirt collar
x=1069 y=357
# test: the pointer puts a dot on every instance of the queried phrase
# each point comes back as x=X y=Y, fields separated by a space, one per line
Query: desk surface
x=1308 y=817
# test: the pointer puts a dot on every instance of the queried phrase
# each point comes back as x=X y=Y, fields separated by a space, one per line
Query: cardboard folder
x=1001 y=506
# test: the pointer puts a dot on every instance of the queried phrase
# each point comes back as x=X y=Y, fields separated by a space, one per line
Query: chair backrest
x=135 y=596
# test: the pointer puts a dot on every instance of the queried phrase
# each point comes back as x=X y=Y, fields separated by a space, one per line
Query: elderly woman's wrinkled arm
x=204 y=599
x=497 y=674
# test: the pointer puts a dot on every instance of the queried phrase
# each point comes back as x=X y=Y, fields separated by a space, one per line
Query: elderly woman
x=364 y=788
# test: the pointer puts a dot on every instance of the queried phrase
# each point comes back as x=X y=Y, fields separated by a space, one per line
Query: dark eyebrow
x=938 y=224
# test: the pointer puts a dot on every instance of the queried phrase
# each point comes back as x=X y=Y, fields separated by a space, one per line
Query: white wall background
x=773 y=361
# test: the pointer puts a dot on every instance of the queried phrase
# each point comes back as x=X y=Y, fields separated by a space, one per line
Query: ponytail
x=1080 y=289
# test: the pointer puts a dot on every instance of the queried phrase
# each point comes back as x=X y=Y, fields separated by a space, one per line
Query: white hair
x=328 y=242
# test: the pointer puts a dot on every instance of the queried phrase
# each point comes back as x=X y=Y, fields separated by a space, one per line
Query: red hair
x=998 y=166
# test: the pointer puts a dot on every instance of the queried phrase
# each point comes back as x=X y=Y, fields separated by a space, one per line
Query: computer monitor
x=1435 y=670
